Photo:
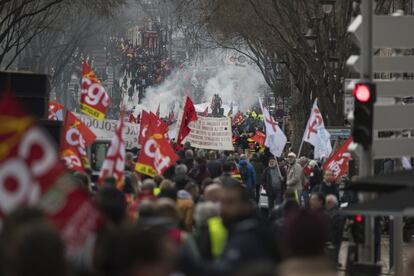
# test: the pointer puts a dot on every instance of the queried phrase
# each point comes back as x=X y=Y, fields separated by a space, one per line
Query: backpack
x=244 y=172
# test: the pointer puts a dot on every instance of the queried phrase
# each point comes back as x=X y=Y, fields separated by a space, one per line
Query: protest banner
x=211 y=133
x=105 y=130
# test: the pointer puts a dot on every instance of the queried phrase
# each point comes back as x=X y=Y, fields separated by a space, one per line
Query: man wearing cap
x=295 y=177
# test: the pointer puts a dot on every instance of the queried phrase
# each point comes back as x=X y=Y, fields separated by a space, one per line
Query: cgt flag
x=29 y=163
x=55 y=111
x=189 y=115
x=94 y=99
x=316 y=134
x=75 y=139
x=156 y=154
x=114 y=163
x=259 y=138
x=338 y=162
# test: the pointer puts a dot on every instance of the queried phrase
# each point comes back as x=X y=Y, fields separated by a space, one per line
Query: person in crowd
x=295 y=176
x=138 y=251
x=317 y=202
x=337 y=223
x=226 y=178
x=304 y=237
x=273 y=183
x=281 y=210
x=210 y=233
x=315 y=174
x=181 y=178
x=213 y=165
x=259 y=169
x=213 y=193
x=199 y=172
x=328 y=185
x=189 y=159
x=185 y=206
x=248 y=175
x=113 y=206
x=84 y=181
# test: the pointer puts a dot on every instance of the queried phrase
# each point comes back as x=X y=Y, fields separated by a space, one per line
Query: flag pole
x=300 y=147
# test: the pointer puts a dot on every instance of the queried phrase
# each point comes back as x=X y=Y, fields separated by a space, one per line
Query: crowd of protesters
x=204 y=216
x=141 y=68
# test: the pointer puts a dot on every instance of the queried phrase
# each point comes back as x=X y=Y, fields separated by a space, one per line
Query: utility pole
x=366 y=250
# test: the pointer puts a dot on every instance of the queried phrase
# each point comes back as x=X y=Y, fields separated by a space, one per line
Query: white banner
x=211 y=133
x=105 y=130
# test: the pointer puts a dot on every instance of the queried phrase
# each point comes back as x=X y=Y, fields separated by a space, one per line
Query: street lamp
x=327 y=5
x=310 y=37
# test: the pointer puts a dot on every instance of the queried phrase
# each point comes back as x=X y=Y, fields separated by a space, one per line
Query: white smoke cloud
x=235 y=84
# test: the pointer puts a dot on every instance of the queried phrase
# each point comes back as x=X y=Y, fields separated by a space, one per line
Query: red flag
x=145 y=120
x=338 y=162
x=158 y=111
x=238 y=119
x=29 y=163
x=55 y=111
x=259 y=138
x=75 y=216
x=94 y=99
x=132 y=119
x=114 y=163
x=205 y=112
x=75 y=139
x=189 y=115
x=156 y=154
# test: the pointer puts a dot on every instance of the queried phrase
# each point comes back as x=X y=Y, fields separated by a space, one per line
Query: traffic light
x=358 y=230
x=364 y=99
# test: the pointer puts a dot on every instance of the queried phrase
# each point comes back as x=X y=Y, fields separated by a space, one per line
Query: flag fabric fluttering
x=29 y=161
x=94 y=100
x=316 y=134
x=259 y=137
x=76 y=137
x=114 y=164
x=157 y=154
x=338 y=162
x=56 y=111
x=275 y=138
x=189 y=115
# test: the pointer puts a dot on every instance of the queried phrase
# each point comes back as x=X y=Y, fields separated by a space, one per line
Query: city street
x=206 y=137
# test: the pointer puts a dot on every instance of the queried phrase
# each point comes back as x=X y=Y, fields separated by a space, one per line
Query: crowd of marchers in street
x=205 y=216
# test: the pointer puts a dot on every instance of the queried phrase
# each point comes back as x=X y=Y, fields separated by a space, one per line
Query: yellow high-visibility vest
x=218 y=236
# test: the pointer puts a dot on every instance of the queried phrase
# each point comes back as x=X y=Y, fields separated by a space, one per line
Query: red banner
x=29 y=163
x=338 y=162
x=189 y=115
x=156 y=154
x=114 y=164
x=94 y=99
x=55 y=111
x=76 y=137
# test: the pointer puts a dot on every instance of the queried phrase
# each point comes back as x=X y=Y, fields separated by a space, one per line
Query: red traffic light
x=358 y=218
x=362 y=93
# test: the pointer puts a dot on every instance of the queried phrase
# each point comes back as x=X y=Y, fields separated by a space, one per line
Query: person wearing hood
x=248 y=176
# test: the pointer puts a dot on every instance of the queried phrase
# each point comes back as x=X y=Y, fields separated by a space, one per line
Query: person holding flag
x=188 y=116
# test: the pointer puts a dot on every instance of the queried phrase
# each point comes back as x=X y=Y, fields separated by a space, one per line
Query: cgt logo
x=19 y=175
x=153 y=151
x=94 y=93
x=75 y=139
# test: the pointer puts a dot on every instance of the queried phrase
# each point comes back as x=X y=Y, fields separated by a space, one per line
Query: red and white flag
x=114 y=164
x=338 y=162
x=56 y=111
x=75 y=139
x=94 y=99
x=189 y=115
x=29 y=163
x=157 y=154
x=275 y=138
x=316 y=133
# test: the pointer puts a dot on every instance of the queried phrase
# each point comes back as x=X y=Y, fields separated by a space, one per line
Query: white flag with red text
x=275 y=138
x=316 y=133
